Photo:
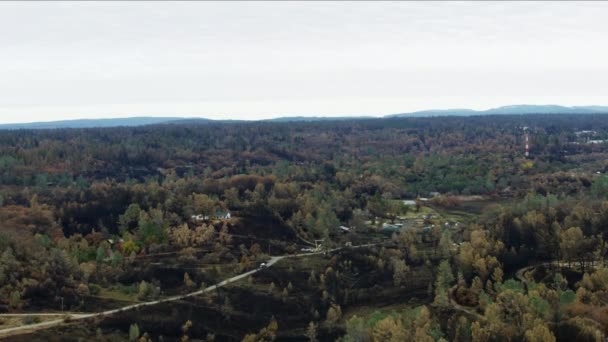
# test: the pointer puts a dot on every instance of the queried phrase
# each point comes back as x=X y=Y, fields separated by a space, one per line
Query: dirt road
x=71 y=317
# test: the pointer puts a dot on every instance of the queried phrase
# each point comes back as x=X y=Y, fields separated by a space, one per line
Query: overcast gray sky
x=252 y=60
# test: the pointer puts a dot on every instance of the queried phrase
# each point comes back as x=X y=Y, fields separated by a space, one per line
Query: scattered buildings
x=585 y=133
x=219 y=215
x=588 y=137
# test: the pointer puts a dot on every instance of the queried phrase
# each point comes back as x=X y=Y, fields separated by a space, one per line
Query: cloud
x=66 y=59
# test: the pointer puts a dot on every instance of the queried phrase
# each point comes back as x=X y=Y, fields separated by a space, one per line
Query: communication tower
x=526 y=142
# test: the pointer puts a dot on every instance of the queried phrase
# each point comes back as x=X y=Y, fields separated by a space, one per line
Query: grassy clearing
x=17 y=321
x=365 y=311
x=118 y=292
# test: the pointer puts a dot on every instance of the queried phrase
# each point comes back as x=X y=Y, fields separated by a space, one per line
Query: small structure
x=222 y=215
x=198 y=217
x=387 y=227
x=344 y=229
x=527 y=143
x=409 y=203
x=585 y=132
x=219 y=215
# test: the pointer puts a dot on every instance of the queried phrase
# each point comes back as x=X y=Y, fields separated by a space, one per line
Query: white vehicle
x=349 y=244
x=263 y=265
x=307 y=249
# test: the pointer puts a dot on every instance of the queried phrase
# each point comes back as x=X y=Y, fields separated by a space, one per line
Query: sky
x=257 y=60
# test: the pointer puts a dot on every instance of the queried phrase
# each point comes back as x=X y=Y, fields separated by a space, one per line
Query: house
x=409 y=203
x=219 y=215
x=387 y=227
x=222 y=215
x=199 y=217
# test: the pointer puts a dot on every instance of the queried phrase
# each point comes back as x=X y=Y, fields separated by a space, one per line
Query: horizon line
x=312 y=116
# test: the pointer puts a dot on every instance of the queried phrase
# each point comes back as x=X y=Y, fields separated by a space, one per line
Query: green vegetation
x=488 y=246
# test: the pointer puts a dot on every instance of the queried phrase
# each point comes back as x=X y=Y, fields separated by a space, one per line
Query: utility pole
x=318 y=244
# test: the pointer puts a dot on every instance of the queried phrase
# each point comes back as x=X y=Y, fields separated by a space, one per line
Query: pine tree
x=442 y=283
x=539 y=333
x=311 y=332
x=134 y=332
x=334 y=314
x=187 y=281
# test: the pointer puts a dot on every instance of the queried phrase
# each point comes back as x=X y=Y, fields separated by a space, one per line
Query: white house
x=220 y=215
x=198 y=217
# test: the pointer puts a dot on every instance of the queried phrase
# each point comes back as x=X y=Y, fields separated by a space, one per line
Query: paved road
x=80 y=316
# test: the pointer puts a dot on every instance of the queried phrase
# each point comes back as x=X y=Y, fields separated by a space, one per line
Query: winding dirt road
x=520 y=275
x=71 y=317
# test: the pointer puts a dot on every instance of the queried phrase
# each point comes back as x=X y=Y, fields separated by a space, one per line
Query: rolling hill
x=142 y=121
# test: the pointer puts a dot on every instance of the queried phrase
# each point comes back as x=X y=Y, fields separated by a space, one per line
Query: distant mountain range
x=509 y=110
x=114 y=122
x=318 y=118
x=89 y=123
x=142 y=121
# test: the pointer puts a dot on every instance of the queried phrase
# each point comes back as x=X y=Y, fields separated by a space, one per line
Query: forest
x=392 y=229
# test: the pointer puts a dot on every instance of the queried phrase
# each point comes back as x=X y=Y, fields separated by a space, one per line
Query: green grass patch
x=378 y=312
x=121 y=292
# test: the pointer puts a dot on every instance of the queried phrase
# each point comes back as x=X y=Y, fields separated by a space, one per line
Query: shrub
x=94 y=289
x=31 y=320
